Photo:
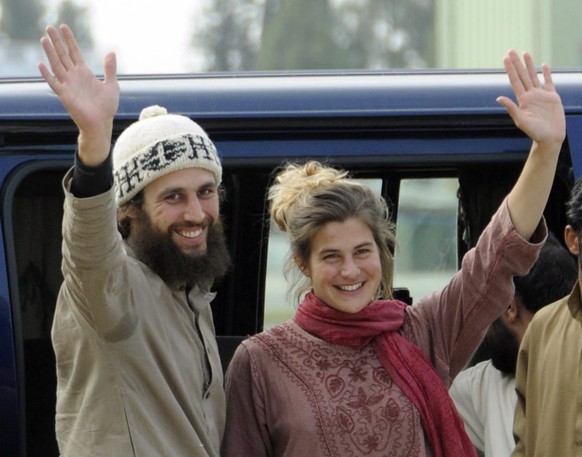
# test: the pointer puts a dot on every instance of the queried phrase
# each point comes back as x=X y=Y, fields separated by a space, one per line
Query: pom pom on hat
x=157 y=144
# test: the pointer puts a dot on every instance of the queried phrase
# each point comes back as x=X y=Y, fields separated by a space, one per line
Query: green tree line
x=24 y=20
x=247 y=35
x=316 y=34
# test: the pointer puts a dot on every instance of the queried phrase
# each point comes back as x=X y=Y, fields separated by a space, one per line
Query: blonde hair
x=304 y=198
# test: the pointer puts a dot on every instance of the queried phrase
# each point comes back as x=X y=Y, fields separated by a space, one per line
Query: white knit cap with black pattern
x=157 y=144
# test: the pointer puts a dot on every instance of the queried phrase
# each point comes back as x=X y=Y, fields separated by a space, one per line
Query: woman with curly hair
x=356 y=372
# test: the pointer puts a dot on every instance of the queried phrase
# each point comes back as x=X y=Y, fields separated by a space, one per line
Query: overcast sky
x=148 y=36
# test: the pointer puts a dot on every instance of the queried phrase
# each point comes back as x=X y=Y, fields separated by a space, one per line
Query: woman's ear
x=303 y=268
x=571 y=239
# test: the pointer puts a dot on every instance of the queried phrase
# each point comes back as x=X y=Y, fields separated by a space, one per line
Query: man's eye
x=205 y=192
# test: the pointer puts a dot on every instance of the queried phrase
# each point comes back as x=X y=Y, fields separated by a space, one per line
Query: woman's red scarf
x=408 y=367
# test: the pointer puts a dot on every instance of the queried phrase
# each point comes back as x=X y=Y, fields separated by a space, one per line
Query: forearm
x=93 y=266
x=476 y=295
x=90 y=236
x=528 y=198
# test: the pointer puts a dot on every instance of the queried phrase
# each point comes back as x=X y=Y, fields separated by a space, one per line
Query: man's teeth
x=191 y=233
x=351 y=287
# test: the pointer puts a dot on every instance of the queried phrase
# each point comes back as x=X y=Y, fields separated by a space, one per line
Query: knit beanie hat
x=157 y=144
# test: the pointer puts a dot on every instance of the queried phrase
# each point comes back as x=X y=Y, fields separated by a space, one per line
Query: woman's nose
x=349 y=268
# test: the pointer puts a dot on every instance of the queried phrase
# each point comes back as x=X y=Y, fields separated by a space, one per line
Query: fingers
x=510 y=106
x=536 y=109
x=522 y=72
x=48 y=77
x=532 y=74
x=110 y=68
x=53 y=82
x=65 y=60
x=63 y=54
x=548 y=81
x=522 y=78
x=52 y=56
x=74 y=52
x=511 y=65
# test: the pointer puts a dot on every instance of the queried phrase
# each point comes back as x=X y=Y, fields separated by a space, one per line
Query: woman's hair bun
x=294 y=183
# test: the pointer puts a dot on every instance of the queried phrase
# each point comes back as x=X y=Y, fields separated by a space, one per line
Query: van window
x=279 y=306
x=37 y=212
x=426 y=235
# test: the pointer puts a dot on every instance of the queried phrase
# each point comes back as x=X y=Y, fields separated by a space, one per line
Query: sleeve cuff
x=90 y=181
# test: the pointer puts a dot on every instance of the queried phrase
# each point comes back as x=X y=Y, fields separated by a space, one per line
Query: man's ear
x=512 y=311
x=571 y=239
x=130 y=211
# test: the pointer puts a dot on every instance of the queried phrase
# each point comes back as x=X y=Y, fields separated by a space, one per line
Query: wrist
x=548 y=149
x=94 y=146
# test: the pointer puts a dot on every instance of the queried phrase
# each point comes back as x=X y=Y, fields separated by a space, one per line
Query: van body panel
x=388 y=127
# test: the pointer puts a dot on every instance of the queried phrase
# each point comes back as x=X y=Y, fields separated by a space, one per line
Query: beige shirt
x=138 y=368
x=548 y=416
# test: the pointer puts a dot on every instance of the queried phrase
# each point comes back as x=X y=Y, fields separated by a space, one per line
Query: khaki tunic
x=548 y=416
x=138 y=368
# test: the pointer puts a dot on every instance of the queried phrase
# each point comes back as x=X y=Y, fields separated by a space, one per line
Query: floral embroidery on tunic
x=358 y=410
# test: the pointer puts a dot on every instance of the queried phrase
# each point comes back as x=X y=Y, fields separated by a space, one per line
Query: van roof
x=295 y=95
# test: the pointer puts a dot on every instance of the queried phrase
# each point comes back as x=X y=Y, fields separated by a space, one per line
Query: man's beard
x=158 y=251
x=503 y=346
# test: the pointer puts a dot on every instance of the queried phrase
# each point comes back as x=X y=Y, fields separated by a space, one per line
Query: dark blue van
x=433 y=144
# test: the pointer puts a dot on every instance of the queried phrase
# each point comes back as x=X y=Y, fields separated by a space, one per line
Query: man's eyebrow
x=172 y=190
x=209 y=183
x=175 y=189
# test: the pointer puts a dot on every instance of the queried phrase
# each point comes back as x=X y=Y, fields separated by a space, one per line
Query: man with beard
x=485 y=393
x=548 y=414
x=137 y=361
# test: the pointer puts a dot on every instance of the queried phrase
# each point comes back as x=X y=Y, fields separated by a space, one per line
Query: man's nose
x=193 y=210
